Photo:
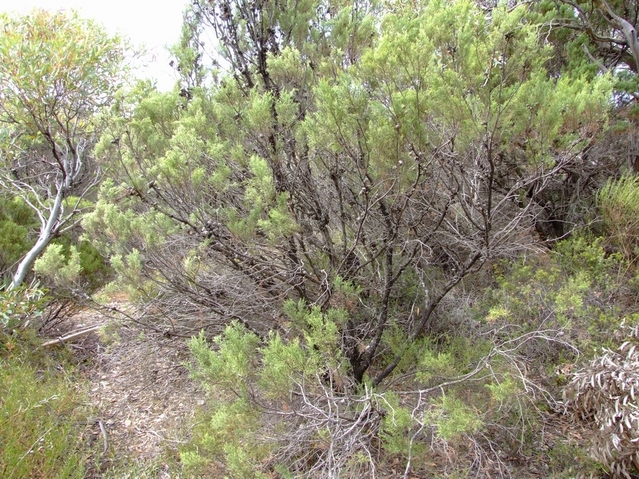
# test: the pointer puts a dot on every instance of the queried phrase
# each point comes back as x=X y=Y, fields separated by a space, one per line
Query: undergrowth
x=43 y=413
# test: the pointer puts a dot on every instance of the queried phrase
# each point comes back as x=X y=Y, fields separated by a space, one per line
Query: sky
x=145 y=22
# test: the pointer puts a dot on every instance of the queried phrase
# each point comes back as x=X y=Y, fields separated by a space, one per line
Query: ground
x=140 y=391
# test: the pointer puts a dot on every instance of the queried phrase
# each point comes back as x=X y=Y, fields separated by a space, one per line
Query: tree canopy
x=56 y=72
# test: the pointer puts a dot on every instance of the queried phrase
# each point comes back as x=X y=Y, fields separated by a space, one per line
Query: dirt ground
x=141 y=394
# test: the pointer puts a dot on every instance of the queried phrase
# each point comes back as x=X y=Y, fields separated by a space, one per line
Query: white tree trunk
x=47 y=231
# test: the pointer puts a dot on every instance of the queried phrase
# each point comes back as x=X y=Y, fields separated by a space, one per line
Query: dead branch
x=70 y=336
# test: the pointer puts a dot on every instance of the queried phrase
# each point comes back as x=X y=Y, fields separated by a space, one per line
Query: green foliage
x=229 y=367
x=577 y=51
x=573 y=288
x=268 y=210
x=16 y=221
x=618 y=202
x=60 y=269
x=239 y=369
x=67 y=68
x=282 y=364
x=186 y=54
x=20 y=307
x=454 y=417
x=248 y=380
x=112 y=226
x=567 y=460
x=278 y=185
x=396 y=427
x=57 y=72
x=504 y=390
x=230 y=433
x=66 y=265
x=142 y=468
x=94 y=269
x=322 y=332
x=42 y=416
x=436 y=364
x=355 y=164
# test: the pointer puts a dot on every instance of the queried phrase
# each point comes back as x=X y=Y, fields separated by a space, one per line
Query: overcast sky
x=149 y=22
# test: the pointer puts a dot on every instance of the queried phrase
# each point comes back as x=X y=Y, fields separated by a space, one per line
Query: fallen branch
x=105 y=437
x=70 y=336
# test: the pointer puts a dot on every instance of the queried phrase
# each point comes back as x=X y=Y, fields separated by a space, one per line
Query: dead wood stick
x=70 y=336
x=105 y=438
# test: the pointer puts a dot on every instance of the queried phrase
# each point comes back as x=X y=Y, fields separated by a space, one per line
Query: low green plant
x=16 y=221
x=42 y=415
x=269 y=398
x=566 y=460
x=574 y=288
x=618 y=203
x=66 y=264
x=164 y=466
x=231 y=425
x=396 y=426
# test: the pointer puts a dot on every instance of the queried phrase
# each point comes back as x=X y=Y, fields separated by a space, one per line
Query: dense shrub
x=577 y=288
x=16 y=221
x=288 y=406
x=18 y=226
x=69 y=266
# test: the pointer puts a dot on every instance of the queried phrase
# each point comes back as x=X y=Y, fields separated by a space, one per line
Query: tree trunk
x=47 y=232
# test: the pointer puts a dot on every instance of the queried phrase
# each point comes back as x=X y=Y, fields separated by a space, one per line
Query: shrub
x=16 y=220
x=20 y=307
x=605 y=395
x=286 y=405
x=618 y=202
x=68 y=267
x=576 y=288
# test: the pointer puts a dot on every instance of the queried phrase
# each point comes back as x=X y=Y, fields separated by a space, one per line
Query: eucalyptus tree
x=56 y=72
x=355 y=163
x=607 y=29
x=592 y=37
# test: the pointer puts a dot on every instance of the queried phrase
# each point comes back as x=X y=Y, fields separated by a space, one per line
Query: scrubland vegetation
x=399 y=239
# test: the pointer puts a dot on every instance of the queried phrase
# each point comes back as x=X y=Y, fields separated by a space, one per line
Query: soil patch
x=140 y=390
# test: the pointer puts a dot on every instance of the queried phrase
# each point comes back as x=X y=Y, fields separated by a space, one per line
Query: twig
x=28 y=452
